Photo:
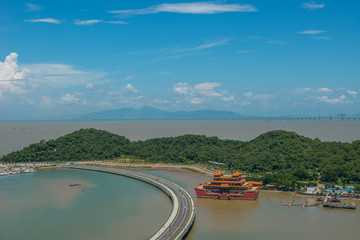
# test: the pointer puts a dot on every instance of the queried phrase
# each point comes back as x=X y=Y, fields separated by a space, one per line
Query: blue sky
x=254 y=57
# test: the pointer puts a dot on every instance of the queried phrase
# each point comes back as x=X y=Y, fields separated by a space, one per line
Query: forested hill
x=275 y=151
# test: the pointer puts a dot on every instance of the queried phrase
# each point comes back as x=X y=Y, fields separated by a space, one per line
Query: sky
x=253 y=57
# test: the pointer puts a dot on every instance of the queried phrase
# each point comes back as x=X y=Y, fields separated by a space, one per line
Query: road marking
x=182 y=219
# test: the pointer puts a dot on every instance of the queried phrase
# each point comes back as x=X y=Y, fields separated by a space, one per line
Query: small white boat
x=30 y=170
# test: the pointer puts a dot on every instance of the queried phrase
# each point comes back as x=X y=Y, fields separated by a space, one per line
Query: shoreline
x=155 y=166
x=192 y=169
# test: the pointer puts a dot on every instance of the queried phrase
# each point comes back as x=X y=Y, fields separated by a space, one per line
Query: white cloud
x=207 y=89
x=244 y=103
x=324 y=90
x=160 y=101
x=183 y=89
x=211 y=44
x=299 y=91
x=169 y=52
x=352 y=93
x=312 y=6
x=44 y=20
x=9 y=69
x=33 y=7
x=312 y=32
x=196 y=101
x=228 y=99
x=11 y=76
x=53 y=69
x=69 y=98
x=258 y=97
x=96 y=21
x=47 y=75
x=320 y=37
x=89 y=85
x=87 y=22
x=131 y=88
x=248 y=94
x=115 y=22
x=203 y=89
x=129 y=77
x=339 y=100
x=189 y=8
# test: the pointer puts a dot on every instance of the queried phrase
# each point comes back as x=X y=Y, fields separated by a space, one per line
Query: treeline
x=289 y=156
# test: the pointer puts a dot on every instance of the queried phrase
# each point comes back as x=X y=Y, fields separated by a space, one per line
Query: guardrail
x=163 y=187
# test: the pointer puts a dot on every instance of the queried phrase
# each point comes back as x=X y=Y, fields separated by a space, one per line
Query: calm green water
x=43 y=206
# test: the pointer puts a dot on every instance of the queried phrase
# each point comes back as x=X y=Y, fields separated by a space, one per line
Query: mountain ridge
x=150 y=113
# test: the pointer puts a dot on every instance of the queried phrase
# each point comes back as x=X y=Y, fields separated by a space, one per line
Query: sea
x=76 y=204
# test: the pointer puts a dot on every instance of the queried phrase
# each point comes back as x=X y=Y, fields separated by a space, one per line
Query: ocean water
x=42 y=205
x=16 y=135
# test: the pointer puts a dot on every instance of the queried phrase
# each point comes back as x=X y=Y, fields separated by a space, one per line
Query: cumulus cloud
x=311 y=32
x=196 y=101
x=124 y=94
x=207 y=89
x=189 y=8
x=202 y=92
x=324 y=90
x=299 y=91
x=312 y=6
x=229 y=98
x=69 y=98
x=44 y=20
x=89 y=86
x=130 y=88
x=352 y=93
x=160 y=101
x=9 y=69
x=11 y=76
x=183 y=88
x=257 y=97
x=203 y=89
x=339 y=100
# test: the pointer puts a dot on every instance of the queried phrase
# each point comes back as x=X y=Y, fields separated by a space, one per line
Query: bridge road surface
x=183 y=214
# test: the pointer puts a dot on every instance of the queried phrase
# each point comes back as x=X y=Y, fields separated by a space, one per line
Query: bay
x=43 y=205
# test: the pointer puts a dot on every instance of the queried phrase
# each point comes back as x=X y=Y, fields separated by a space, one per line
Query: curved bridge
x=183 y=213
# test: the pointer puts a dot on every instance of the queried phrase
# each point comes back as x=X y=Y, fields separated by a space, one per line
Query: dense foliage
x=287 y=155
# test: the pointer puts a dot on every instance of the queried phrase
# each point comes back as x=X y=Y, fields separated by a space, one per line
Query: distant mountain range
x=149 y=113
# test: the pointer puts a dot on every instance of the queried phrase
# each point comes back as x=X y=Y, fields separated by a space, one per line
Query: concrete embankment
x=183 y=213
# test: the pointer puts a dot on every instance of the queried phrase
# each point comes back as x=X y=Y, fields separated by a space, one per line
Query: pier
x=182 y=216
